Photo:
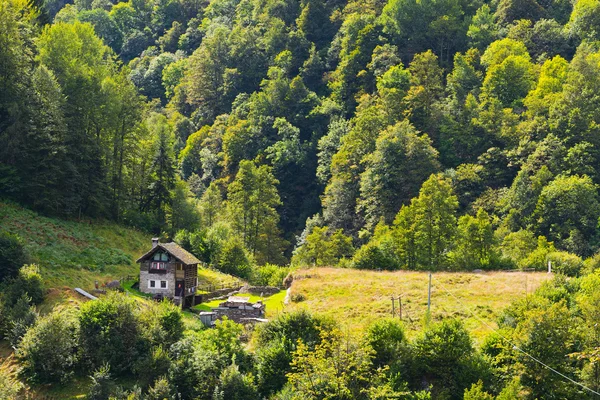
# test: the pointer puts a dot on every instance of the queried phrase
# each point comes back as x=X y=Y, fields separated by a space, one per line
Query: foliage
x=252 y=198
x=48 y=351
x=109 y=333
x=322 y=247
x=334 y=369
x=102 y=384
x=425 y=228
x=445 y=353
x=12 y=255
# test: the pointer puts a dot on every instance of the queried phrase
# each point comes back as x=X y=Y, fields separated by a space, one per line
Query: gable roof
x=175 y=250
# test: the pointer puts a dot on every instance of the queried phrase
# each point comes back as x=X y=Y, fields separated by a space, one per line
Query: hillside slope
x=75 y=253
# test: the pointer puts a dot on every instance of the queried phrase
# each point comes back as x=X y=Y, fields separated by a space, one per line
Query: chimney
x=154 y=242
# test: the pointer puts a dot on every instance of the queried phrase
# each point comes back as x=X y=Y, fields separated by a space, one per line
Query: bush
x=444 y=355
x=233 y=385
x=386 y=338
x=194 y=371
x=12 y=256
x=298 y=297
x=48 y=351
x=269 y=275
x=21 y=317
x=28 y=282
x=592 y=264
x=102 y=385
x=476 y=392
x=278 y=339
x=565 y=263
x=234 y=260
x=373 y=256
x=162 y=323
x=109 y=333
x=161 y=390
x=153 y=366
x=272 y=360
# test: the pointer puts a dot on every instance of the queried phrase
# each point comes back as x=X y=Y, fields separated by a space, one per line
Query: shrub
x=161 y=390
x=48 y=351
x=21 y=317
x=373 y=256
x=27 y=283
x=225 y=339
x=153 y=366
x=278 y=339
x=102 y=385
x=12 y=255
x=234 y=260
x=195 y=370
x=565 y=263
x=386 y=338
x=109 y=332
x=272 y=360
x=233 y=385
x=592 y=264
x=445 y=355
x=269 y=275
x=476 y=392
x=162 y=323
x=298 y=297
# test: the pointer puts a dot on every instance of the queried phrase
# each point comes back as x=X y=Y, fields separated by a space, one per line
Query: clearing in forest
x=356 y=297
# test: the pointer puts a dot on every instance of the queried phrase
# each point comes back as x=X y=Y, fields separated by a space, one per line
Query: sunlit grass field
x=355 y=298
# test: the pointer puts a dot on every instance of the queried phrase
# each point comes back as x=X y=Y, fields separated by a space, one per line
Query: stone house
x=169 y=271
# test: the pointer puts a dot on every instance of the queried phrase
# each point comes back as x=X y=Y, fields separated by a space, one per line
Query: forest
x=262 y=135
x=438 y=135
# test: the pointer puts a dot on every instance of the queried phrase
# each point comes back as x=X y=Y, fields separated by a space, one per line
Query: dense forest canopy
x=398 y=134
x=420 y=134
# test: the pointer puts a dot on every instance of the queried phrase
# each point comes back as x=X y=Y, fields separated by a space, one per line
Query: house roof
x=175 y=250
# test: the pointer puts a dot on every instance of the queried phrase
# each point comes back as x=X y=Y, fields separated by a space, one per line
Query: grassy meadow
x=355 y=297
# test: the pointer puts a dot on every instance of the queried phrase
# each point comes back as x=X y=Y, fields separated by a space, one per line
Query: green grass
x=128 y=287
x=75 y=253
x=208 y=276
x=355 y=298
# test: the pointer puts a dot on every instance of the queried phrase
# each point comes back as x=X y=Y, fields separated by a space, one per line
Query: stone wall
x=258 y=290
x=217 y=293
x=237 y=314
x=168 y=276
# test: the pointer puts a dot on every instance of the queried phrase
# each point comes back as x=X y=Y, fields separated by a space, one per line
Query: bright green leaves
x=402 y=161
x=251 y=201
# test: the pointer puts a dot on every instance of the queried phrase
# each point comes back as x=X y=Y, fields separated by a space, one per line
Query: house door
x=179 y=288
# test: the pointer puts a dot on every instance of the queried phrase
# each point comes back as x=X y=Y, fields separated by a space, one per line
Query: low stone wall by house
x=217 y=293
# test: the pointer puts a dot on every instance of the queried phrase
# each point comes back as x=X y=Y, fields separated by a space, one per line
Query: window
x=161 y=266
x=160 y=256
x=152 y=284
